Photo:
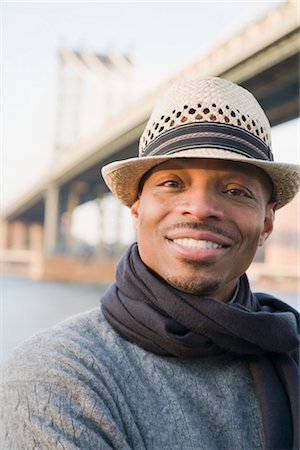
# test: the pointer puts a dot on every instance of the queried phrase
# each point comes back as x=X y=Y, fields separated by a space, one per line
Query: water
x=29 y=306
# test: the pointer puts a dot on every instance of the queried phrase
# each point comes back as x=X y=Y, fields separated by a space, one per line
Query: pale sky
x=163 y=37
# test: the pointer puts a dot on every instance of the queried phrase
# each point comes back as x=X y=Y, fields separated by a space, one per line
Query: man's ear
x=135 y=212
x=268 y=223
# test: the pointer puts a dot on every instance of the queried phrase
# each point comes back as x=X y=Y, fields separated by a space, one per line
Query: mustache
x=203 y=226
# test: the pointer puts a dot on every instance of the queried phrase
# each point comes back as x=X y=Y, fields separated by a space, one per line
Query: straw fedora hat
x=204 y=118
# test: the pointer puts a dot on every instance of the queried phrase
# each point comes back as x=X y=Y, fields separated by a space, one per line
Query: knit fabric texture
x=79 y=385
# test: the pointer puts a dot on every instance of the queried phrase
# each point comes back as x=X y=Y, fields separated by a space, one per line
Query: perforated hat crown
x=204 y=118
x=208 y=100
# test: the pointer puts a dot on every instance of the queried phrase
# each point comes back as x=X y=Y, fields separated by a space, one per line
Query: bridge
x=36 y=229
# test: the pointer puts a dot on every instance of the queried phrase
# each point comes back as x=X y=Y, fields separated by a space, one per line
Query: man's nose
x=201 y=203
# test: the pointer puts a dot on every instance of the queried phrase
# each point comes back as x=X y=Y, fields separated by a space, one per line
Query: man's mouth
x=197 y=243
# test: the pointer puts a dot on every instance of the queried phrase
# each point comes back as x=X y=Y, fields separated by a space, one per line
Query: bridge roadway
x=263 y=57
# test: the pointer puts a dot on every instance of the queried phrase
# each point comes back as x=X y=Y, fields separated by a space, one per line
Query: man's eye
x=235 y=192
x=171 y=183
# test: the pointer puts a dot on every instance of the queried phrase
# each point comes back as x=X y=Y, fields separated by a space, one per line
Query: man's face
x=199 y=223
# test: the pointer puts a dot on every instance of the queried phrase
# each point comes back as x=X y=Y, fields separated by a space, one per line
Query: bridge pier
x=51 y=219
x=72 y=201
x=17 y=235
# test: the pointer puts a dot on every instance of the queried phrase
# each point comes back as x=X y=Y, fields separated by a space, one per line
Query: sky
x=162 y=37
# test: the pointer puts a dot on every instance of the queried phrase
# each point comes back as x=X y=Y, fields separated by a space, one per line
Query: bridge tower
x=91 y=89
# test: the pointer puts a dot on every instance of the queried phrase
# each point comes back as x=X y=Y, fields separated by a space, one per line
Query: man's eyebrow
x=246 y=169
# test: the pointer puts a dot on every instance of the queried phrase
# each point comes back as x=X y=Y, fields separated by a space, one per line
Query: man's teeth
x=195 y=243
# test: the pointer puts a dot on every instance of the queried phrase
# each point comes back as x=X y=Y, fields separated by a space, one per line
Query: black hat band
x=209 y=135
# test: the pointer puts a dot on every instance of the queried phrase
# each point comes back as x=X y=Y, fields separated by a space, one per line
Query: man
x=183 y=354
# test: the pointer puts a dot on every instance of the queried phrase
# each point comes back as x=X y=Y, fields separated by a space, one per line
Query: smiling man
x=199 y=223
x=182 y=354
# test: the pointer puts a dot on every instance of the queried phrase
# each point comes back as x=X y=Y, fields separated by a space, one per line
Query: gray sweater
x=79 y=385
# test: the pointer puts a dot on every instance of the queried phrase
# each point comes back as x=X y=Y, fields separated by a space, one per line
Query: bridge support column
x=101 y=211
x=35 y=237
x=4 y=233
x=51 y=219
x=73 y=201
x=100 y=243
x=18 y=235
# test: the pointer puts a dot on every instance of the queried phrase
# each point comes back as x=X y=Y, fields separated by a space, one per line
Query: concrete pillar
x=18 y=235
x=35 y=237
x=100 y=243
x=73 y=201
x=4 y=232
x=51 y=218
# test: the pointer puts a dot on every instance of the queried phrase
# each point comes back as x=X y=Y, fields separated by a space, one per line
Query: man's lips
x=192 y=237
x=202 y=232
x=198 y=240
x=204 y=250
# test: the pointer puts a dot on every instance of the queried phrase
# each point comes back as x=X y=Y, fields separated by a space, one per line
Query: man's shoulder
x=80 y=343
x=61 y=387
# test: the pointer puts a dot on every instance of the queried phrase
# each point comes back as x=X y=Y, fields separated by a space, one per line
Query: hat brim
x=123 y=177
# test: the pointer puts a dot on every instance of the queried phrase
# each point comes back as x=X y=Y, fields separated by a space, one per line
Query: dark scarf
x=149 y=312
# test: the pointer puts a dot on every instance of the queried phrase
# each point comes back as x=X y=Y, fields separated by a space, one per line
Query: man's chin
x=203 y=288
